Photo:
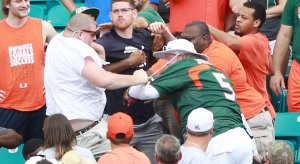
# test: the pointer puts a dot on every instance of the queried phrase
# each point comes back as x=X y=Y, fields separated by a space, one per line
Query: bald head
x=80 y=21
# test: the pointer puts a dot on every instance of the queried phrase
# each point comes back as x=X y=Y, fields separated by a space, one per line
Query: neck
x=114 y=146
x=198 y=142
x=125 y=33
x=15 y=21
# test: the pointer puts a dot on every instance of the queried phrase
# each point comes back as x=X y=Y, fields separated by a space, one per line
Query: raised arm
x=69 y=5
x=221 y=36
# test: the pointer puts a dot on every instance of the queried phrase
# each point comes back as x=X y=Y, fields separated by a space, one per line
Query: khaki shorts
x=95 y=139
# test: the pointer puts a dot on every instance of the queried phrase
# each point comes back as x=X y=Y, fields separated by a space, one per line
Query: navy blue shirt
x=117 y=49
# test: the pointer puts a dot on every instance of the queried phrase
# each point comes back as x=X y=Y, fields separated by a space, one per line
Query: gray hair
x=167 y=148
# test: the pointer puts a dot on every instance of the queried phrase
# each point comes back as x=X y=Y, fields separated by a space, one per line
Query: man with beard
x=128 y=49
x=253 y=50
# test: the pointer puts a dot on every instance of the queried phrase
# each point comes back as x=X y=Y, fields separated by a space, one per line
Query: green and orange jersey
x=291 y=17
x=22 y=60
x=255 y=55
x=190 y=84
x=222 y=57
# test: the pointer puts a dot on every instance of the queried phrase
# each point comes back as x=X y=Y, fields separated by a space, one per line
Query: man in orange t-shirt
x=120 y=132
x=253 y=50
x=22 y=43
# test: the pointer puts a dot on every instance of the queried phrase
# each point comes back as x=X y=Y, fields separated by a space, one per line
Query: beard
x=237 y=33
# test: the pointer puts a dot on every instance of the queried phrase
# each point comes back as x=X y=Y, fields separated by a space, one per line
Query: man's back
x=124 y=155
x=190 y=84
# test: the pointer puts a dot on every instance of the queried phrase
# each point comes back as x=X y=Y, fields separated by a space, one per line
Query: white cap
x=178 y=47
x=200 y=120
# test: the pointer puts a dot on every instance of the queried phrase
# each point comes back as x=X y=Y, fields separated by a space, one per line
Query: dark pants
x=27 y=124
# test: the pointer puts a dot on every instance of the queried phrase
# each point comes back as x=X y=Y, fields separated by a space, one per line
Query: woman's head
x=59 y=134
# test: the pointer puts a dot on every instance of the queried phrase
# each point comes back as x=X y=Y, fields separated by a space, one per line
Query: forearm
x=143 y=92
x=221 y=36
x=114 y=81
x=69 y=4
x=117 y=67
x=276 y=10
x=282 y=47
x=168 y=36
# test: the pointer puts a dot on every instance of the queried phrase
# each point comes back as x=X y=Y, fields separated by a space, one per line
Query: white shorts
x=232 y=147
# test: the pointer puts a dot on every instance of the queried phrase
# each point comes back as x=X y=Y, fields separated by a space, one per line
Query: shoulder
x=48 y=30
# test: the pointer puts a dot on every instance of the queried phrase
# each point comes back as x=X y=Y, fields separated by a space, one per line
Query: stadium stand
x=36 y=11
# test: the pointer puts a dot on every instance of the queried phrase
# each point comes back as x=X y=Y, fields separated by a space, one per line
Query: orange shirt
x=124 y=155
x=222 y=57
x=254 y=55
x=22 y=65
x=211 y=12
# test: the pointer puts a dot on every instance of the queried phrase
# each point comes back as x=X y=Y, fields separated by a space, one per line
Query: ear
x=156 y=158
x=180 y=156
x=107 y=136
x=134 y=13
x=256 y=23
x=211 y=131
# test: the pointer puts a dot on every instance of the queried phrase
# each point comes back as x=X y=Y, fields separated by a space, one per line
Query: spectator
x=191 y=82
x=32 y=147
x=72 y=157
x=289 y=29
x=120 y=133
x=67 y=77
x=9 y=138
x=22 y=100
x=199 y=132
x=127 y=50
x=60 y=138
x=280 y=152
x=167 y=150
x=253 y=45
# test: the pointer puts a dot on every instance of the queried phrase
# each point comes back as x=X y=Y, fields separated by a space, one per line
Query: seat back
x=58 y=16
x=36 y=11
x=280 y=102
x=9 y=156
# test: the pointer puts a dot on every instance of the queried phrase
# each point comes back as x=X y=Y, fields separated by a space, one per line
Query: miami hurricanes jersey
x=192 y=83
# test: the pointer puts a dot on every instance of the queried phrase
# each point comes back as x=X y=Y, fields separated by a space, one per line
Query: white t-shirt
x=67 y=91
x=50 y=153
x=193 y=155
